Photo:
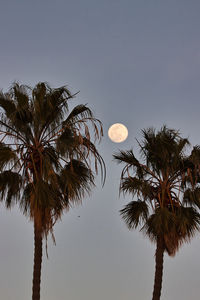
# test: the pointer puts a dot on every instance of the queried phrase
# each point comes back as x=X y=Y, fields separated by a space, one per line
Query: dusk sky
x=134 y=62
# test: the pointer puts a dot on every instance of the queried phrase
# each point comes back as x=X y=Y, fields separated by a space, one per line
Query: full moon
x=118 y=133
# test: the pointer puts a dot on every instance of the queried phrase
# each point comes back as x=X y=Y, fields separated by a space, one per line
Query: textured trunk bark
x=158 y=269
x=37 y=263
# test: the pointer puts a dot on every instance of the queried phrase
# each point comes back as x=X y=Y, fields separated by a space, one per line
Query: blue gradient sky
x=135 y=62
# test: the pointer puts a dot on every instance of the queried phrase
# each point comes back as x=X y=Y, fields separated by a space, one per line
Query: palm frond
x=135 y=213
x=188 y=223
x=191 y=197
x=161 y=222
x=79 y=112
x=136 y=186
x=126 y=157
x=75 y=180
x=7 y=155
x=10 y=187
x=7 y=104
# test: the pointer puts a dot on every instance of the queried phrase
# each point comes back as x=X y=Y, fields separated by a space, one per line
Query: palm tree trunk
x=37 y=263
x=158 y=269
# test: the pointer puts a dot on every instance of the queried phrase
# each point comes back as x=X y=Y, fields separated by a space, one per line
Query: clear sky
x=135 y=62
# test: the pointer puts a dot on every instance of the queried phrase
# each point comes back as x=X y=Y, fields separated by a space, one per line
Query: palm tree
x=45 y=154
x=158 y=182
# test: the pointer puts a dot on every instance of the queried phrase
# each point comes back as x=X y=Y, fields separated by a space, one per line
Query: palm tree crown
x=45 y=152
x=159 y=182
